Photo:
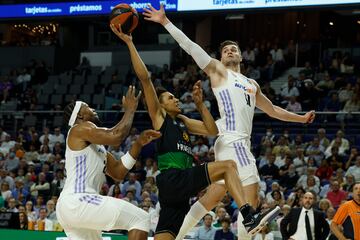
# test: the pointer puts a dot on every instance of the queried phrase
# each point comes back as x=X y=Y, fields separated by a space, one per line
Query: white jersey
x=84 y=169
x=236 y=100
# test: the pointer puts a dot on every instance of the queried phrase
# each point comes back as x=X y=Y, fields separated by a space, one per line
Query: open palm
x=158 y=16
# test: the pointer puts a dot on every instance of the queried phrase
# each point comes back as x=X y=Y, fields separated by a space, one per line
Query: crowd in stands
x=32 y=162
x=32 y=176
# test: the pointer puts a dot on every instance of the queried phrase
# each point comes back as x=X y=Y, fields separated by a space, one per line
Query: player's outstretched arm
x=89 y=132
x=263 y=103
x=142 y=73
x=207 y=127
x=118 y=169
x=212 y=67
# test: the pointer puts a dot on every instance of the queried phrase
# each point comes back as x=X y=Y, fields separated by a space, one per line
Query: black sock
x=245 y=210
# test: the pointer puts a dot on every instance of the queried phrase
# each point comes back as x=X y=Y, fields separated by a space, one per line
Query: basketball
x=125 y=15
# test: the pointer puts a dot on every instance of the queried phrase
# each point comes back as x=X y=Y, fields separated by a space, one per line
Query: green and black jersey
x=174 y=147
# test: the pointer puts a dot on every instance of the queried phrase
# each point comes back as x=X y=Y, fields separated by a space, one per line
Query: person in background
x=207 y=231
x=224 y=233
x=348 y=217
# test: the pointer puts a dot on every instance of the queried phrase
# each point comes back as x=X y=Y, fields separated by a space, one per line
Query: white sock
x=242 y=233
x=196 y=213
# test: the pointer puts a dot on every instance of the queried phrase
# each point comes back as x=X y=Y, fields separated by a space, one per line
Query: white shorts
x=227 y=148
x=84 y=215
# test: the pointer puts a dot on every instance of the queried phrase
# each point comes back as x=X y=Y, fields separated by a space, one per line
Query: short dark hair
x=68 y=111
x=352 y=187
x=226 y=219
x=227 y=42
x=159 y=91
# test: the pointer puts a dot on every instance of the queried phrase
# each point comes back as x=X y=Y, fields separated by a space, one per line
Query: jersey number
x=247 y=99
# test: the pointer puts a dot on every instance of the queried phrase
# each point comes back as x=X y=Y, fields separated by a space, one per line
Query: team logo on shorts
x=186 y=136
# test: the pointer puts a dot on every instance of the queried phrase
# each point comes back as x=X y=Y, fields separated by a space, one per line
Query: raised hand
x=309 y=117
x=158 y=16
x=147 y=136
x=130 y=101
x=118 y=31
x=197 y=93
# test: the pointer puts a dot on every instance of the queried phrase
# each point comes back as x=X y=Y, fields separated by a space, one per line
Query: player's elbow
x=213 y=132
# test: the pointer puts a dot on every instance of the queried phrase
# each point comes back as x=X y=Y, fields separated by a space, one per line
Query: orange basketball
x=125 y=15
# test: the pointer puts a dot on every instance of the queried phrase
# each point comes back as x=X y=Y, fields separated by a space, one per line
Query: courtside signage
x=191 y=5
x=104 y=7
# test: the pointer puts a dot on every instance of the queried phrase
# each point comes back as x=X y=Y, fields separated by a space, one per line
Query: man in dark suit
x=305 y=223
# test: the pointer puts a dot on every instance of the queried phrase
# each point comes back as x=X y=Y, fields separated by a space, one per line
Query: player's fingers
x=162 y=6
x=152 y=8
x=146 y=11
x=139 y=95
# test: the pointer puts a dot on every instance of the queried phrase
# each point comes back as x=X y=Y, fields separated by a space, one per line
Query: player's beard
x=96 y=120
x=233 y=62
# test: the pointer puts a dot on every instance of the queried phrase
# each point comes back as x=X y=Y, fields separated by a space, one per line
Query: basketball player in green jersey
x=178 y=180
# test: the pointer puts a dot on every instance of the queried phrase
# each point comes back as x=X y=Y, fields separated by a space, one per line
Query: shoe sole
x=268 y=218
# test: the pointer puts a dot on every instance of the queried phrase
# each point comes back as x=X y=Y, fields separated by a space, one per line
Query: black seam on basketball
x=126 y=26
x=118 y=11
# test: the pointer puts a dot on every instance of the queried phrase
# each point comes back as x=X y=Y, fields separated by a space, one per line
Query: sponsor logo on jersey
x=244 y=88
x=184 y=148
x=186 y=137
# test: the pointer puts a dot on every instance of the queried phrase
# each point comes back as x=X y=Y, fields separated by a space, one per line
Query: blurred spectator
x=324 y=205
x=352 y=105
x=285 y=210
x=207 y=231
x=293 y=105
x=346 y=93
x=270 y=171
x=51 y=213
x=355 y=170
x=139 y=171
x=46 y=134
x=132 y=183
x=305 y=223
x=326 y=84
x=31 y=214
x=352 y=157
x=335 y=161
x=336 y=195
x=349 y=182
x=269 y=91
x=282 y=144
x=43 y=223
x=11 y=162
x=5 y=178
x=23 y=221
x=57 y=137
x=289 y=90
x=315 y=150
x=224 y=233
x=12 y=205
x=32 y=156
x=333 y=104
x=324 y=172
x=188 y=106
x=264 y=234
x=294 y=199
x=300 y=161
x=20 y=193
x=3 y=134
x=248 y=55
x=7 y=144
x=220 y=215
x=200 y=148
x=290 y=178
x=5 y=191
x=42 y=187
x=324 y=141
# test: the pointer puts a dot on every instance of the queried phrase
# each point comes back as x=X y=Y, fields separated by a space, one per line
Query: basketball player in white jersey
x=81 y=210
x=237 y=97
